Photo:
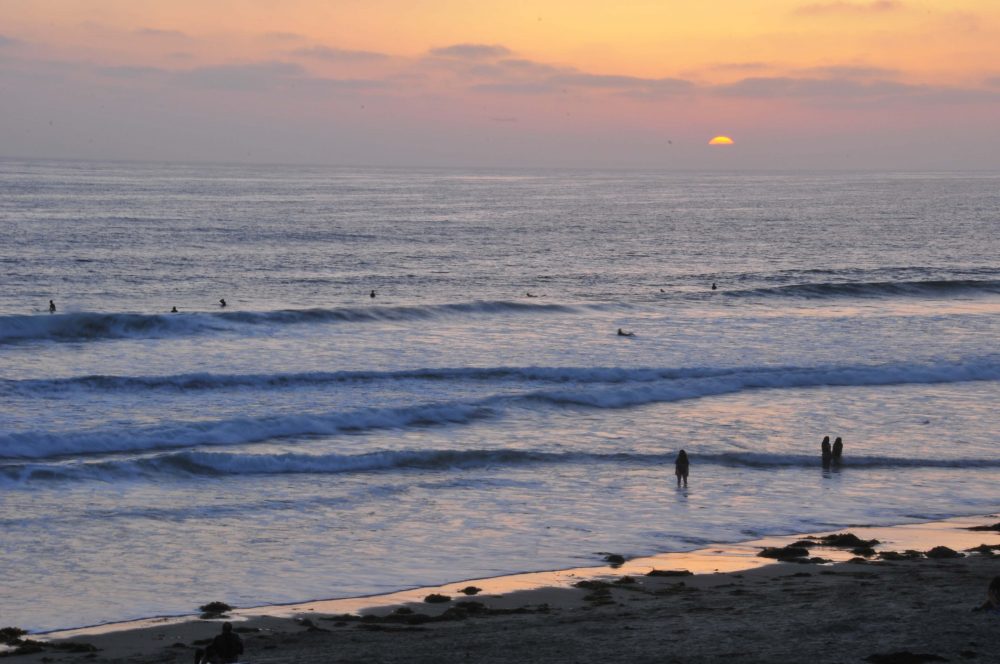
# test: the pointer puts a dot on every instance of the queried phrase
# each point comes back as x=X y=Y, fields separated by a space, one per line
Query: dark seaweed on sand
x=995 y=526
x=214 y=610
x=437 y=598
x=844 y=541
x=784 y=552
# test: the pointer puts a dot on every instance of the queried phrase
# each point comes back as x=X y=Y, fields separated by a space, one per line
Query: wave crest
x=226 y=464
x=76 y=327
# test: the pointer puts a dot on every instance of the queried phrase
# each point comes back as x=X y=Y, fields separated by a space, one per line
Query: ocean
x=310 y=441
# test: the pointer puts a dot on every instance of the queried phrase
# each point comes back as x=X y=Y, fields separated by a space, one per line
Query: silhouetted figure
x=222 y=303
x=372 y=294
x=838 y=449
x=173 y=310
x=681 y=466
x=623 y=333
x=52 y=307
x=714 y=287
x=225 y=648
x=662 y=291
x=992 y=602
x=826 y=453
x=529 y=295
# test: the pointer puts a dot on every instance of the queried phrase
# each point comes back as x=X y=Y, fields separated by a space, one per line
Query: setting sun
x=721 y=140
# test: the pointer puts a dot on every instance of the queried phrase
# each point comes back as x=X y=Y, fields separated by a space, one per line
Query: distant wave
x=223 y=464
x=209 y=381
x=643 y=387
x=874 y=289
x=981 y=368
x=76 y=327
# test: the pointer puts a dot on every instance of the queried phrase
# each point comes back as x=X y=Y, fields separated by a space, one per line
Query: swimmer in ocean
x=623 y=333
x=222 y=303
x=52 y=307
x=372 y=294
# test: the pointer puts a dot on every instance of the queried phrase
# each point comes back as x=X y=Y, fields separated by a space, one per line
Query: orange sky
x=549 y=82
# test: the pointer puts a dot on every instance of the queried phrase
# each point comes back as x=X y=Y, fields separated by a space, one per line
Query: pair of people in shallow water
x=831 y=454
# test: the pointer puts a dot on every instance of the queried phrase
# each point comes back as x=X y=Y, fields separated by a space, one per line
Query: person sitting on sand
x=838 y=449
x=681 y=466
x=825 y=452
x=992 y=602
x=225 y=648
x=52 y=307
x=623 y=333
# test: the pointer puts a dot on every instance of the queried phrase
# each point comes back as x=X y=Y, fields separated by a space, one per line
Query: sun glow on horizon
x=721 y=140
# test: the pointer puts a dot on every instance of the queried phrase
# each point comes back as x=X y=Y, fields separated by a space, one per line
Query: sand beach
x=909 y=602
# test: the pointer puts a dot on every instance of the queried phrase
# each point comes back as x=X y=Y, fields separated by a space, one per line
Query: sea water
x=310 y=441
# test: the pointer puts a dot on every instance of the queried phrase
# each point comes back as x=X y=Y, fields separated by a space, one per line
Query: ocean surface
x=310 y=441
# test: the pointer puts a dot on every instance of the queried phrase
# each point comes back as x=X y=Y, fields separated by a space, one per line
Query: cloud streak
x=472 y=51
x=840 y=7
x=331 y=54
x=157 y=32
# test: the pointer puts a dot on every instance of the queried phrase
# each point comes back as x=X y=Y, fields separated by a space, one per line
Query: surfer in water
x=838 y=450
x=173 y=310
x=681 y=467
x=714 y=287
x=825 y=452
x=52 y=307
x=623 y=333
x=372 y=294
x=222 y=303
x=529 y=295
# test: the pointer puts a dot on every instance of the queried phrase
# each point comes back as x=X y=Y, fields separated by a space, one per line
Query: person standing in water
x=681 y=466
x=838 y=449
x=52 y=307
x=825 y=451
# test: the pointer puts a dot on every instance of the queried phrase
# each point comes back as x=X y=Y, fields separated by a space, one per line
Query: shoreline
x=545 y=591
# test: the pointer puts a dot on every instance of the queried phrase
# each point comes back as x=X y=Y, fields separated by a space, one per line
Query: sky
x=815 y=84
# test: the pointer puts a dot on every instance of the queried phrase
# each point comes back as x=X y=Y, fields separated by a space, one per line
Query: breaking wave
x=610 y=388
x=224 y=464
x=76 y=327
x=983 y=368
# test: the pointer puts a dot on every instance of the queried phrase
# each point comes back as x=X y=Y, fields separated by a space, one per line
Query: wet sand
x=736 y=607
